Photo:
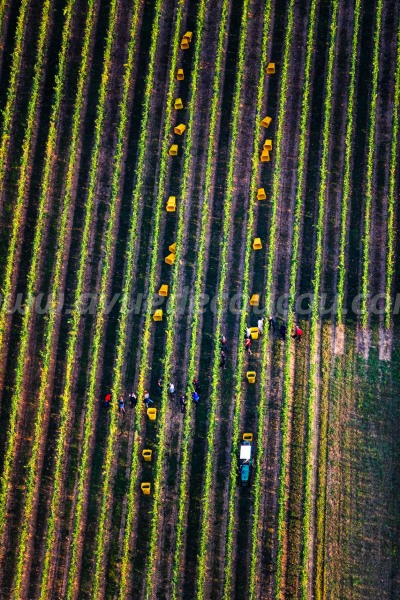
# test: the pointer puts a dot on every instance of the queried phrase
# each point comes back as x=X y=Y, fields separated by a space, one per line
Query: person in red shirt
x=297 y=333
x=247 y=344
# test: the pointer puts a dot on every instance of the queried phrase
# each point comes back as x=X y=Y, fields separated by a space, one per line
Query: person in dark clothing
x=272 y=324
x=132 y=399
x=196 y=385
x=159 y=386
x=222 y=341
x=182 y=403
x=223 y=359
x=282 y=331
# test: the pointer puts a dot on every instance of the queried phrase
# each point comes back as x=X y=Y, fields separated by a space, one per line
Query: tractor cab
x=246 y=458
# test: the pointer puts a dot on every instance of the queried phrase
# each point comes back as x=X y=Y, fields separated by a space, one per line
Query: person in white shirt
x=260 y=325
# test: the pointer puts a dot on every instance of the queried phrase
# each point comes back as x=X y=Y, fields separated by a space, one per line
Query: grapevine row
x=314 y=325
x=144 y=366
x=3 y=4
x=321 y=554
x=243 y=318
x=169 y=345
x=9 y=453
x=198 y=286
x=216 y=371
x=391 y=233
x=370 y=168
x=8 y=112
x=299 y=201
x=116 y=388
x=347 y=165
x=28 y=317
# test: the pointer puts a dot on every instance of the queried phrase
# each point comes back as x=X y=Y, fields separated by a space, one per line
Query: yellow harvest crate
x=255 y=300
x=251 y=376
x=171 y=204
x=147 y=455
x=261 y=195
x=267 y=145
x=180 y=129
x=254 y=333
x=265 y=157
x=152 y=414
x=266 y=122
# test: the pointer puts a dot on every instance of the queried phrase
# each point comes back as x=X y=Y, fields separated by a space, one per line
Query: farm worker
x=223 y=341
x=196 y=384
x=146 y=395
x=159 y=386
x=282 y=331
x=147 y=400
x=247 y=344
x=223 y=359
x=247 y=334
x=195 y=397
x=182 y=403
x=297 y=333
x=132 y=399
x=260 y=325
x=121 y=405
x=107 y=400
x=172 y=390
x=272 y=323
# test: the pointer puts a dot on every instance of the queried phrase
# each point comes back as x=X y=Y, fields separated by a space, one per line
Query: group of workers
x=273 y=326
x=132 y=397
